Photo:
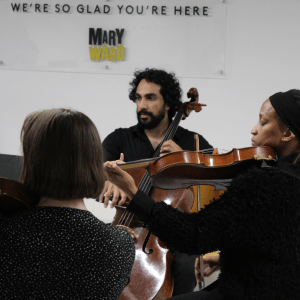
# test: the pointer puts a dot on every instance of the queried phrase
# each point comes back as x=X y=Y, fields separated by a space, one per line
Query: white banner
x=114 y=37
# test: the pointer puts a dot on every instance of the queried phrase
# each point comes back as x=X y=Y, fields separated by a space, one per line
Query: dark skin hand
x=116 y=195
x=168 y=147
x=210 y=265
x=125 y=182
x=120 y=178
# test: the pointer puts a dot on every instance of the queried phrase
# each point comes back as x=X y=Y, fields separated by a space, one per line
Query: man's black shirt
x=135 y=145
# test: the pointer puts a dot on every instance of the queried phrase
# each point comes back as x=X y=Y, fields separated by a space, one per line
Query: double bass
x=151 y=275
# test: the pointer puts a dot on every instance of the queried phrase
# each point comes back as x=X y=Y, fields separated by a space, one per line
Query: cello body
x=179 y=170
x=14 y=197
x=151 y=275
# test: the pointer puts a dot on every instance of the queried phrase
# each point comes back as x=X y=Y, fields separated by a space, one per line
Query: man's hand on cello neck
x=168 y=147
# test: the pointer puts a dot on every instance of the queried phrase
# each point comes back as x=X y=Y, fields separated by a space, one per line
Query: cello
x=14 y=197
x=187 y=168
x=152 y=267
x=212 y=167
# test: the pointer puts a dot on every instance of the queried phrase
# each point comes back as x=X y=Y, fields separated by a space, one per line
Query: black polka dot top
x=62 y=253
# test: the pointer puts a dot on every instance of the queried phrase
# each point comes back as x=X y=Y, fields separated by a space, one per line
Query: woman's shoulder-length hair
x=62 y=155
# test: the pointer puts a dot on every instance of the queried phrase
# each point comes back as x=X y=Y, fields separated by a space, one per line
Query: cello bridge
x=131 y=231
x=263 y=158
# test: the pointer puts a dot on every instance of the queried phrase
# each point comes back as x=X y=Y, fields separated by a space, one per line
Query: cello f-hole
x=145 y=244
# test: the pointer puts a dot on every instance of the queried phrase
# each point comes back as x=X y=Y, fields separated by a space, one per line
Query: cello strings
x=127 y=220
x=170 y=133
x=145 y=184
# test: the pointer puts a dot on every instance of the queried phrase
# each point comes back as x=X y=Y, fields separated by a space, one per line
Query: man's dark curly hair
x=170 y=88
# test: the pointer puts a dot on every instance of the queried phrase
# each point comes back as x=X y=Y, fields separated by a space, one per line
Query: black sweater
x=255 y=225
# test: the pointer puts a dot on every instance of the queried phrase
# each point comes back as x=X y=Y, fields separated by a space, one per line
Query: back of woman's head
x=62 y=155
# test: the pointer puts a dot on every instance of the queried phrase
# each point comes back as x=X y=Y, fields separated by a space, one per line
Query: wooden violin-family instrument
x=14 y=197
x=183 y=169
x=151 y=276
x=188 y=168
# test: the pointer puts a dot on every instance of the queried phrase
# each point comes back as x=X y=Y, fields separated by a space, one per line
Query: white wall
x=262 y=57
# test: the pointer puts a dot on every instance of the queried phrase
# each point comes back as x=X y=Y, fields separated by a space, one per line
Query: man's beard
x=154 y=120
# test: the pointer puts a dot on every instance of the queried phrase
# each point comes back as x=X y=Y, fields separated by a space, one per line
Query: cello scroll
x=193 y=104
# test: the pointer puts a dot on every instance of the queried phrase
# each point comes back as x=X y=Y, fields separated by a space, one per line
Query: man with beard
x=157 y=96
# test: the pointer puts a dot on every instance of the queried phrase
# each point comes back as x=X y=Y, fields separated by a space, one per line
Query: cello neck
x=145 y=184
x=170 y=132
x=185 y=109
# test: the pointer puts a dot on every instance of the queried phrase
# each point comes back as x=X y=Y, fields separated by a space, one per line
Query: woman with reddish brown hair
x=59 y=250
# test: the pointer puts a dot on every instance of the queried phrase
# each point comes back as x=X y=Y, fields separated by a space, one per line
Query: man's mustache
x=145 y=112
